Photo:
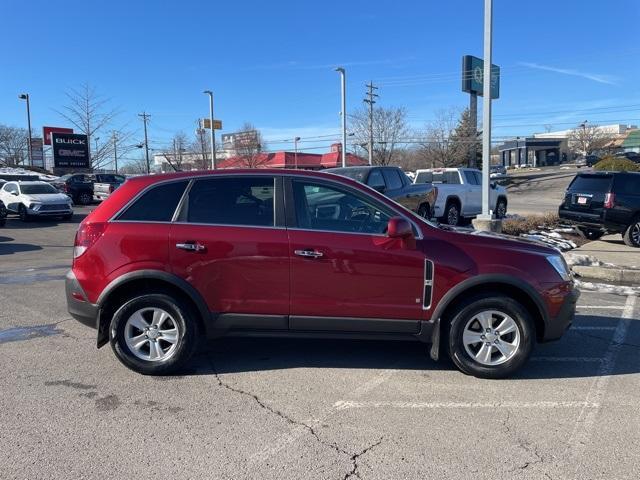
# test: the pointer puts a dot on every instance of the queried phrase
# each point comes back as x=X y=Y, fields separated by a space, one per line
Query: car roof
x=31 y=182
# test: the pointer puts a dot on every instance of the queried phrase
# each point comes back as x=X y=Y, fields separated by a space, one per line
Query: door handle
x=191 y=246
x=308 y=253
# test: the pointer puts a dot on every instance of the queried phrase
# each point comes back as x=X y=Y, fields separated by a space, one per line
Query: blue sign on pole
x=473 y=74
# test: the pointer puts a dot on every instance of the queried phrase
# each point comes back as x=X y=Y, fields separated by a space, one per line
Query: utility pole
x=145 y=119
x=212 y=133
x=473 y=116
x=115 y=150
x=25 y=96
x=343 y=91
x=371 y=103
x=486 y=108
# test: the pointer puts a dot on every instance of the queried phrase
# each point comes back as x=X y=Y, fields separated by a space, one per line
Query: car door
x=10 y=196
x=473 y=193
x=229 y=241
x=395 y=190
x=346 y=274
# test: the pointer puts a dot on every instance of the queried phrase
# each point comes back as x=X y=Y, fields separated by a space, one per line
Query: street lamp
x=25 y=96
x=295 y=155
x=518 y=149
x=212 y=133
x=343 y=112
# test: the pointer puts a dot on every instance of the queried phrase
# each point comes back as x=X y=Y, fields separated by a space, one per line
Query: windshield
x=37 y=189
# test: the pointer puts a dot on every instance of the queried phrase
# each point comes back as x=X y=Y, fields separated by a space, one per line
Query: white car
x=460 y=194
x=35 y=199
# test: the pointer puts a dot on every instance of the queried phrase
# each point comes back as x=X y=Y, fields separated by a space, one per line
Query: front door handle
x=308 y=253
x=191 y=246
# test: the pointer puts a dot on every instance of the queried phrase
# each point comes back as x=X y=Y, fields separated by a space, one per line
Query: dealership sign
x=473 y=76
x=37 y=155
x=46 y=133
x=70 y=150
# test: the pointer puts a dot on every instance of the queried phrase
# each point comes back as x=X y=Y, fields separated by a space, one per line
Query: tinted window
x=591 y=183
x=471 y=177
x=156 y=205
x=424 y=177
x=627 y=184
x=357 y=174
x=478 y=176
x=37 y=189
x=392 y=179
x=453 y=178
x=232 y=201
x=320 y=207
x=375 y=179
x=10 y=187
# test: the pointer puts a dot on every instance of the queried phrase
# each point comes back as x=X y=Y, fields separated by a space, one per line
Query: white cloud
x=600 y=78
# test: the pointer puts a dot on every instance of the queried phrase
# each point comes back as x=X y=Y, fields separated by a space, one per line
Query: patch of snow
x=549 y=239
x=574 y=259
x=606 y=288
x=17 y=171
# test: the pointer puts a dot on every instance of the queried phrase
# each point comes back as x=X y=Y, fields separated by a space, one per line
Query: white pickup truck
x=460 y=194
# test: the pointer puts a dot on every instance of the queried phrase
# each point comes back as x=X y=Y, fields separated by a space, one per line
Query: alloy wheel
x=152 y=334
x=501 y=211
x=491 y=337
x=452 y=215
x=635 y=233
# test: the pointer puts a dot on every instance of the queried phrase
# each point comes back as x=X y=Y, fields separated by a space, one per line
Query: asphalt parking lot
x=280 y=409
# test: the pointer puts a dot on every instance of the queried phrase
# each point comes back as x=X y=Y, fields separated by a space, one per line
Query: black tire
x=3 y=215
x=501 y=208
x=493 y=302
x=452 y=214
x=67 y=217
x=590 y=234
x=424 y=211
x=22 y=212
x=631 y=235
x=85 y=198
x=186 y=324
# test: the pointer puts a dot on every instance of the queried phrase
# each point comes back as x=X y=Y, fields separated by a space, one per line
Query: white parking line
x=586 y=420
x=347 y=404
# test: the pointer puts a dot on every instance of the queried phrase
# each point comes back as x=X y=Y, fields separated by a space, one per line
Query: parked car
x=78 y=186
x=3 y=214
x=460 y=194
x=587 y=161
x=170 y=259
x=35 y=199
x=497 y=171
x=604 y=202
x=105 y=184
x=394 y=183
x=633 y=156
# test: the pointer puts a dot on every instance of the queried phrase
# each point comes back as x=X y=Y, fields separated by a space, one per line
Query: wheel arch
x=147 y=281
x=508 y=285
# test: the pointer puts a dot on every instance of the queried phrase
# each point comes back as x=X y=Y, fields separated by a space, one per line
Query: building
x=303 y=160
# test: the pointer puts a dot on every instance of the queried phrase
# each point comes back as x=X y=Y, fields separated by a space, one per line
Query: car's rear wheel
x=24 y=215
x=452 y=214
x=501 y=208
x=68 y=216
x=491 y=337
x=631 y=235
x=424 y=211
x=154 y=334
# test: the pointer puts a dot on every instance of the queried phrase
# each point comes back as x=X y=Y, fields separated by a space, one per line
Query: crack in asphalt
x=524 y=445
x=354 y=457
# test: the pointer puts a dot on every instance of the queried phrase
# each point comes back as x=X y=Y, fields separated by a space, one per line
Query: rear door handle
x=308 y=253
x=191 y=246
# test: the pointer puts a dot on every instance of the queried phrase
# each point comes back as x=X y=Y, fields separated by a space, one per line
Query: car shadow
x=17 y=224
x=579 y=354
x=11 y=248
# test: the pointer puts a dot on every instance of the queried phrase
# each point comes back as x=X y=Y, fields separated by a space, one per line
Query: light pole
x=212 y=133
x=295 y=155
x=25 y=96
x=486 y=109
x=583 y=125
x=343 y=90
x=518 y=150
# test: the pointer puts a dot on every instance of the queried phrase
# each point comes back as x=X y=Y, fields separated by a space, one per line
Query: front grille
x=56 y=206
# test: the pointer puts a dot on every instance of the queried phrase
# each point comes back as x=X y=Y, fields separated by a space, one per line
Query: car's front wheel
x=631 y=235
x=491 y=336
x=85 y=198
x=154 y=334
x=24 y=215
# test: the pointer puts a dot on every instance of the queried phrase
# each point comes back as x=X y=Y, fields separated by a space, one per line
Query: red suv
x=167 y=260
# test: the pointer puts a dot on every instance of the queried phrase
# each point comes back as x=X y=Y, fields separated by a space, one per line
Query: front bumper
x=49 y=213
x=556 y=326
x=77 y=303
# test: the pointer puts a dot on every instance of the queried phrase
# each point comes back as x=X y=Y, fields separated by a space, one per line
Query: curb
x=609 y=274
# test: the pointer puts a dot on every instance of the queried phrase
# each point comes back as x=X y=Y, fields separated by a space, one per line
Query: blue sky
x=271 y=63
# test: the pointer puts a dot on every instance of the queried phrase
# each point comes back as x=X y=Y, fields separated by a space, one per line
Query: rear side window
x=453 y=178
x=392 y=178
x=157 y=204
x=232 y=201
x=591 y=183
x=424 y=177
x=471 y=177
x=627 y=184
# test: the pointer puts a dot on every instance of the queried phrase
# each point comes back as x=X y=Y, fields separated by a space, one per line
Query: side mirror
x=494 y=185
x=379 y=188
x=15 y=194
x=399 y=227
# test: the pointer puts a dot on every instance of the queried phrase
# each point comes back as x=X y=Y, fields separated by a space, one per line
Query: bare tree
x=588 y=139
x=136 y=166
x=249 y=147
x=448 y=139
x=91 y=115
x=13 y=145
x=178 y=153
x=389 y=130
x=201 y=148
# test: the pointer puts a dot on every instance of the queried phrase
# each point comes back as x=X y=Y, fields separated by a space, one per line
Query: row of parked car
x=31 y=199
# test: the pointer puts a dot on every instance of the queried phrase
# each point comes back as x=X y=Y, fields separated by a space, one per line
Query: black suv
x=79 y=186
x=604 y=202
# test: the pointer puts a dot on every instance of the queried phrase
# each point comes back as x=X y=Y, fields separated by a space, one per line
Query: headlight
x=559 y=264
x=35 y=206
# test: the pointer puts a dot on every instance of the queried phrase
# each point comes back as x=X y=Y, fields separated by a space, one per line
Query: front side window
x=392 y=178
x=375 y=179
x=158 y=204
x=232 y=201
x=470 y=177
x=329 y=208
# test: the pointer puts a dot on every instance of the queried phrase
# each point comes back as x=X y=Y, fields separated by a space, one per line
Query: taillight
x=86 y=236
x=609 y=200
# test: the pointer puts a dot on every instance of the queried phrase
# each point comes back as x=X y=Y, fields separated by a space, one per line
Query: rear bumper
x=77 y=304
x=556 y=326
x=595 y=221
